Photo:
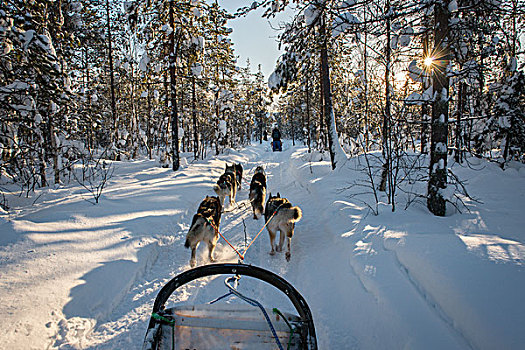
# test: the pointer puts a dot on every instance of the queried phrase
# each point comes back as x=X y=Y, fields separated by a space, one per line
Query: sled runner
x=230 y=326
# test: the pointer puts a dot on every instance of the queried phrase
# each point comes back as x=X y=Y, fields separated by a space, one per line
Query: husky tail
x=253 y=195
x=292 y=214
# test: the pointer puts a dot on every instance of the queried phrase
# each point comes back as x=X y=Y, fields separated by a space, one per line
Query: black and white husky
x=226 y=187
x=204 y=227
x=279 y=215
x=236 y=171
x=258 y=192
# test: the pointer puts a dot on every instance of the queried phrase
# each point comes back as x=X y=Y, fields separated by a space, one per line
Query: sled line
x=241 y=255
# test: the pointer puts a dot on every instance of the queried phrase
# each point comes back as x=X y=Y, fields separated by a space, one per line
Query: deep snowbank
x=75 y=275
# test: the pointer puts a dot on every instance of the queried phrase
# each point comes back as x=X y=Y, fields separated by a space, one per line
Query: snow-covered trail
x=346 y=312
x=327 y=264
x=78 y=276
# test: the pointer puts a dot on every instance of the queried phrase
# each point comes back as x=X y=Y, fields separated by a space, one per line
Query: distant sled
x=230 y=326
x=277 y=146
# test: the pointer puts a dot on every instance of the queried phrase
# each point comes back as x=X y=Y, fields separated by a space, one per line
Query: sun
x=428 y=61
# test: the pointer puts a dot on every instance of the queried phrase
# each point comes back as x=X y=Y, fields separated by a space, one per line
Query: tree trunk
x=114 y=133
x=426 y=84
x=308 y=113
x=436 y=203
x=261 y=127
x=194 y=116
x=458 y=155
x=165 y=132
x=336 y=152
x=217 y=123
x=180 y=107
x=149 y=134
x=54 y=150
x=365 y=77
x=387 y=113
x=173 y=90
x=292 y=116
x=321 y=138
x=514 y=40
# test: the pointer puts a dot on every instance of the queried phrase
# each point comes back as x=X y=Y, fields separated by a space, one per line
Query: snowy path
x=77 y=276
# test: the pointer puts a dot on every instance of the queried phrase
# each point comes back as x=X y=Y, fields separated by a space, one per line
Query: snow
x=143 y=64
x=274 y=81
x=46 y=43
x=196 y=69
x=453 y=6
x=504 y=122
x=129 y=6
x=222 y=126
x=441 y=148
x=513 y=65
x=197 y=12
x=414 y=99
x=310 y=14
x=198 y=42
x=167 y=28
x=343 y=4
x=343 y=22
x=38 y=119
x=28 y=37
x=15 y=86
x=79 y=276
x=76 y=6
x=415 y=73
x=418 y=99
x=406 y=36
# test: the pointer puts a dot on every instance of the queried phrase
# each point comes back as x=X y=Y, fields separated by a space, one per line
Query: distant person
x=276 y=143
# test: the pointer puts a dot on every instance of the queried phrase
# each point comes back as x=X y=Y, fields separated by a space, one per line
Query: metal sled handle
x=244 y=270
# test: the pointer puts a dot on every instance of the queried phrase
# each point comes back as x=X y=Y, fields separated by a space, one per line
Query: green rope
x=278 y=312
x=162 y=318
x=168 y=321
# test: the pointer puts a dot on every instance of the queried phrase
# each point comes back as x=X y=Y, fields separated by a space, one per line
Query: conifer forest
x=152 y=151
x=413 y=84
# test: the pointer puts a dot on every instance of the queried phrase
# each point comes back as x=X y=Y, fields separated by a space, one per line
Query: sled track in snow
x=432 y=304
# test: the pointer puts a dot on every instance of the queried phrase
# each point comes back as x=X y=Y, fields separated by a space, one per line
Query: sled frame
x=297 y=300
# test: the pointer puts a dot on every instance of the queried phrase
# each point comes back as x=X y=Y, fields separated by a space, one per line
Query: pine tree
x=436 y=201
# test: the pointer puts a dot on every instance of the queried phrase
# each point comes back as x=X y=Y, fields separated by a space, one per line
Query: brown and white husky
x=204 y=227
x=258 y=192
x=280 y=215
x=236 y=171
x=226 y=187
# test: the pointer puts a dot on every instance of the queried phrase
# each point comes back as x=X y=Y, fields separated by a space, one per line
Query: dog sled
x=229 y=325
x=277 y=146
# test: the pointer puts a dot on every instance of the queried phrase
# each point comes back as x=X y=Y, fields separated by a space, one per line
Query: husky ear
x=270 y=195
x=278 y=195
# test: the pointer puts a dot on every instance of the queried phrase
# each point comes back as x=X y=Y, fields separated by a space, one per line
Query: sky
x=253 y=37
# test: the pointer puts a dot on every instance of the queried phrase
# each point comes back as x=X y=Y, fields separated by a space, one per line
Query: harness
x=242 y=255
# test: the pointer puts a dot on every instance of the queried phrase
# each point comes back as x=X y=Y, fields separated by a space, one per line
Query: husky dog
x=204 y=227
x=226 y=187
x=236 y=171
x=258 y=192
x=284 y=218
